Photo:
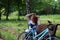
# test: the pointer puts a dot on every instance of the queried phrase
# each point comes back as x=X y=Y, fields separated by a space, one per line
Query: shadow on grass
x=12 y=20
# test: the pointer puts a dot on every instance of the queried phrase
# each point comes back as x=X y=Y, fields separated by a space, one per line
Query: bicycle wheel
x=22 y=36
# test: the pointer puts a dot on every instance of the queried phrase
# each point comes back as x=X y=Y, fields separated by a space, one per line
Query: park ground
x=9 y=30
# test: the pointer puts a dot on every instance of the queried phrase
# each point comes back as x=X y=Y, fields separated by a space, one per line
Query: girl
x=32 y=22
x=34 y=19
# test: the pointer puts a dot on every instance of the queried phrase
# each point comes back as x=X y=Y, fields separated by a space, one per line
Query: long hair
x=34 y=18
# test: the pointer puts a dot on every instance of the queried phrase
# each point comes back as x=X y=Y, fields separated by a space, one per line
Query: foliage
x=38 y=6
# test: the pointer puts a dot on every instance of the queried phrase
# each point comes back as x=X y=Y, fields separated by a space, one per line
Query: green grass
x=58 y=31
x=7 y=36
x=11 y=29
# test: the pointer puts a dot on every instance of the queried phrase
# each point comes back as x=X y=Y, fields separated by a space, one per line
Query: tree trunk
x=19 y=14
x=18 y=11
x=19 y=8
x=28 y=9
x=7 y=10
x=0 y=13
x=54 y=9
x=7 y=17
x=7 y=14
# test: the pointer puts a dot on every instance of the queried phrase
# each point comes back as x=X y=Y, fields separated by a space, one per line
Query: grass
x=7 y=36
x=58 y=31
x=11 y=29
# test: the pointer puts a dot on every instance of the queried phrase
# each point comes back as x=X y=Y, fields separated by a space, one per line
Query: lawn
x=10 y=29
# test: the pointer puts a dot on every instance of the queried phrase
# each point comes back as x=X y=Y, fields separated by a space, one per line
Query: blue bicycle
x=40 y=36
x=32 y=36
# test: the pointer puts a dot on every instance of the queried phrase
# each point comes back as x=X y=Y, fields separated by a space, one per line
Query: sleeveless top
x=31 y=24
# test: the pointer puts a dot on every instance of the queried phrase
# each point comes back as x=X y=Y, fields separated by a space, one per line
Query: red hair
x=34 y=18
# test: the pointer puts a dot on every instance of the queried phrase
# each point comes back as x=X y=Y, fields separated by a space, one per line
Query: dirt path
x=1 y=39
x=12 y=30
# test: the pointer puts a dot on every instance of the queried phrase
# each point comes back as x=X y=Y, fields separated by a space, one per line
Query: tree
x=28 y=9
x=0 y=9
x=19 y=5
x=7 y=9
x=0 y=12
x=6 y=6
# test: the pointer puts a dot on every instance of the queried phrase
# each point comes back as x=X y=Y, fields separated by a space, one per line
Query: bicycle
x=39 y=36
x=43 y=33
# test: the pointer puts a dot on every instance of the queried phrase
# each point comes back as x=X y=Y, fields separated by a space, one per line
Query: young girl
x=35 y=20
x=32 y=22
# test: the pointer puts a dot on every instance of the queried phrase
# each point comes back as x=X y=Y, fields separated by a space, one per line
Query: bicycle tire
x=21 y=36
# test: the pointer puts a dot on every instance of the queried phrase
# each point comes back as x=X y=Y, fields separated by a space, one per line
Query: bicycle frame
x=40 y=35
